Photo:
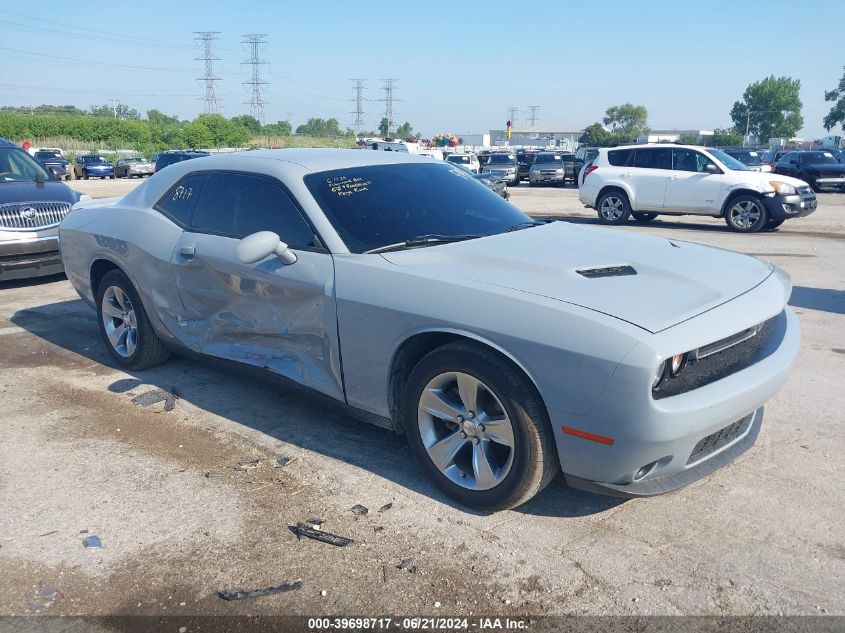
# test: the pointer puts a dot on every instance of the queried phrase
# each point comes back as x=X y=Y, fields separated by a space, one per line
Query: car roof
x=319 y=159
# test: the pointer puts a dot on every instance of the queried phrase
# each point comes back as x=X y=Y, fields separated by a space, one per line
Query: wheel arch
x=614 y=187
x=419 y=343
x=99 y=268
x=735 y=193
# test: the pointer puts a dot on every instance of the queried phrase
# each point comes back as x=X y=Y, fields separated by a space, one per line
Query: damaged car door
x=269 y=314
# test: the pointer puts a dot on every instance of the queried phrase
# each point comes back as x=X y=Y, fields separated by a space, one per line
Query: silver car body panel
x=591 y=346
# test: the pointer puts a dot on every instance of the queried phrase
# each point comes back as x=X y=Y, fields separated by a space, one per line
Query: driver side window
x=689 y=160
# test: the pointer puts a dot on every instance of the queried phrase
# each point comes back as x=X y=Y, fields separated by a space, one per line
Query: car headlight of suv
x=783 y=188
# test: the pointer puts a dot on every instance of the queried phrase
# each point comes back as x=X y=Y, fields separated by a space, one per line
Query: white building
x=563 y=136
x=673 y=136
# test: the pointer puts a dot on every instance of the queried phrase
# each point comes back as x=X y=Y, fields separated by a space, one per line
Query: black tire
x=643 y=217
x=613 y=207
x=149 y=350
x=746 y=214
x=85 y=176
x=771 y=225
x=534 y=463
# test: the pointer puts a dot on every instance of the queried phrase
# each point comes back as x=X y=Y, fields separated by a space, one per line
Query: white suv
x=650 y=180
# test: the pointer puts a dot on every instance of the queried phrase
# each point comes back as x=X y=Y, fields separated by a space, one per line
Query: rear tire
x=643 y=217
x=746 y=214
x=492 y=466
x=125 y=326
x=613 y=208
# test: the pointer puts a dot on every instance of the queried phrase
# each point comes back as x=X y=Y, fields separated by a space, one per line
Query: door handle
x=187 y=251
x=674 y=177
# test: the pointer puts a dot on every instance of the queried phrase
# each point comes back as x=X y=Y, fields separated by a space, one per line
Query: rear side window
x=619 y=157
x=178 y=203
x=236 y=205
x=658 y=158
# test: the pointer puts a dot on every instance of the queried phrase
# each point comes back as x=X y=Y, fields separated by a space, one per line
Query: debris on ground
x=324 y=593
x=155 y=396
x=359 y=510
x=247 y=465
x=259 y=593
x=385 y=507
x=44 y=598
x=92 y=542
x=408 y=565
x=215 y=472
x=315 y=523
x=384 y=573
x=303 y=529
x=378 y=528
x=48 y=533
x=283 y=460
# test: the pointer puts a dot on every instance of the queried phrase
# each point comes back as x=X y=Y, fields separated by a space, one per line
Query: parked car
x=524 y=158
x=32 y=203
x=132 y=167
x=503 y=165
x=389 y=284
x=772 y=156
x=648 y=180
x=820 y=169
x=751 y=158
x=55 y=162
x=92 y=166
x=548 y=168
x=170 y=157
x=468 y=160
x=491 y=181
x=484 y=156
x=584 y=155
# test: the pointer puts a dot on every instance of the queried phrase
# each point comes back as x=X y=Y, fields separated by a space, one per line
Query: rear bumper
x=38 y=257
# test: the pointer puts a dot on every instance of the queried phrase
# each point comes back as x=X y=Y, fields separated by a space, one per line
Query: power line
x=359 y=113
x=512 y=110
x=255 y=43
x=388 y=103
x=89 y=61
x=533 y=116
x=207 y=39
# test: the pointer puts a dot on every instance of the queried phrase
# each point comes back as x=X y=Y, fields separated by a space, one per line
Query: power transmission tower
x=512 y=110
x=207 y=39
x=388 y=103
x=255 y=43
x=359 y=113
x=533 y=116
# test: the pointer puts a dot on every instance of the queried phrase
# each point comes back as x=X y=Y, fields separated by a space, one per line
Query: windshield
x=46 y=155
x=134 y=160
x=547 y=159
x=18 y=166
x=818 y=158
x=378 y=205
x=502 y=159
x=728 y=161
x=752 y=159
x=93 y=159
x=459 y=158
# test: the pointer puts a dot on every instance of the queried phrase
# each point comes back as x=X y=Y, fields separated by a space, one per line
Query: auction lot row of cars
x=86 y=166
x=644 y=365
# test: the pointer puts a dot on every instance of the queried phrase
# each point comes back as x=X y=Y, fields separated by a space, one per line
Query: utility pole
x=207 y=40
x=532 y=118
x=255 y=43
x=358 y=124
x=388 y=103
x=114 y=106
x=512 y=110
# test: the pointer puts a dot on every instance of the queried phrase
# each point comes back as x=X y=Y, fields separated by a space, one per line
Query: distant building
x=673 y=136
x=564 y=136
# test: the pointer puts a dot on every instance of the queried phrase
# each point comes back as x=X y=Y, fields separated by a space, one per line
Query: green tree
x=405 y=130
x=595 y=135
x=320 y=127
x=769 y=108
x=116 y=111
x=280 y=128
x=627 y=121
x=157 y=117
x=247 y=121
x=196 y=135
x=837 y=112
x=726 y=138
x=384 y=126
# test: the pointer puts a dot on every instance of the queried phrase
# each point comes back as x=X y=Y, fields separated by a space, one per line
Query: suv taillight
x=590 y=170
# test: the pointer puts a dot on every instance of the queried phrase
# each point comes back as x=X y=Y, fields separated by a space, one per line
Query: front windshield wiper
x=524 y=225
x=422 y=240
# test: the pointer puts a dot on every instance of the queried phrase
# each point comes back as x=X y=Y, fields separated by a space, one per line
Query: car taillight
x=590 y=170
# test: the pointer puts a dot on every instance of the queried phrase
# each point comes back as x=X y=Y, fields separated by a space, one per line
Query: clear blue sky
x=460 y=64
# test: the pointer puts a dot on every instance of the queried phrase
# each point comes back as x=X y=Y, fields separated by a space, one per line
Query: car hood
x=674 y=280
x=51 y=191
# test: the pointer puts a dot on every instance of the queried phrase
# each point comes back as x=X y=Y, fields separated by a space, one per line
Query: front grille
x=721 y=363
x=713 y=442
x=32 y=216
x=29 y=257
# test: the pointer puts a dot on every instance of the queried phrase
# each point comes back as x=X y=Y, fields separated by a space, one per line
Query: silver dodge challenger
x=503 y=348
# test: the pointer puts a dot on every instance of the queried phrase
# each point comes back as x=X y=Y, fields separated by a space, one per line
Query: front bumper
x=540 y=177
x=35 y=257
x=99 y=173
x=796 y=205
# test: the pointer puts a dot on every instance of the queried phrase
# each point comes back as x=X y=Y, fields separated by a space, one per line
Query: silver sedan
x=503 y=348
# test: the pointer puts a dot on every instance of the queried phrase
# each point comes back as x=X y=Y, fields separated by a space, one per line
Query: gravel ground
x=179 y=522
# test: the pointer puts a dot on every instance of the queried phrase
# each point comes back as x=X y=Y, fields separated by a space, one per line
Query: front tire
x=746 y=214
x=125 y=326
x=613 y=208
x=478 y=427
x=643 y=217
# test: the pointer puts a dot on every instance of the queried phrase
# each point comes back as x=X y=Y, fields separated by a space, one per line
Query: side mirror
x=710 y=168
x=253 y=248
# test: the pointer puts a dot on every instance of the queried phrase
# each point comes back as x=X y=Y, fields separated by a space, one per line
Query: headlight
x=669 y=368
x=84 y=196
x=783 y=188
x=558 y=171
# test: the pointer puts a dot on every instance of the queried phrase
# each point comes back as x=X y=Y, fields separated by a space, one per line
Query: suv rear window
x=619 y=157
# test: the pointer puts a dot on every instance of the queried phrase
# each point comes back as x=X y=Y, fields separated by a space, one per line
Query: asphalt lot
x=178 y=522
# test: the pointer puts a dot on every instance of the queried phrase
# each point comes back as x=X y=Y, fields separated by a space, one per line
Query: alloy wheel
x=612 y=208
x=745 y=214
x=119 y=321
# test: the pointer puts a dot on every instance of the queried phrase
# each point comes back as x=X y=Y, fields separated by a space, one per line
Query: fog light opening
x=645 y=470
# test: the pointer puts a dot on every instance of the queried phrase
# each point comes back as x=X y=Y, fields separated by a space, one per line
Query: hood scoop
x=607 y=271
